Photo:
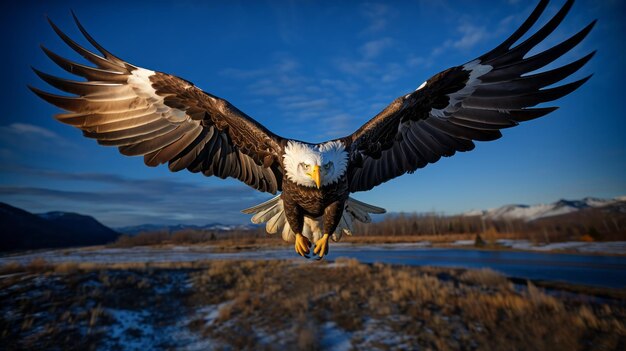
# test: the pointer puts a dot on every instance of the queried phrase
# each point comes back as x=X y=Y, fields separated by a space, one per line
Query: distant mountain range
x=534 y=212
x=218 y=227
x=22 y=230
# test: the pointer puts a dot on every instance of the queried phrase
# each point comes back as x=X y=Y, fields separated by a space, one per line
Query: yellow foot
x=302 y=245
x=321 y=247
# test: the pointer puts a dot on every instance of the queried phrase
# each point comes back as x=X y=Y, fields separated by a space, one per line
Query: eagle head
x=315 y=165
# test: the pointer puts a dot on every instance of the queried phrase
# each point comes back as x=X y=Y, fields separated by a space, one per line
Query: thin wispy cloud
x=510 y=20
x=23 y=128
x=238 y=73
x=470 y=36
x=112 y=198
x=469 y=31
x=278 y=79
x=20 y=139
x=287 y=19
x=297 y=95
x=373 y=48
x=345 y=87
x=306 y=103
x=119 y=180
x=281 y=63
x=339 y=125
x=354 y=67
x=30 y=131
x=377 y=15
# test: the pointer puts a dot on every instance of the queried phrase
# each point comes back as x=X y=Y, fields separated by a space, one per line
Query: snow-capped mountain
x=532 y=212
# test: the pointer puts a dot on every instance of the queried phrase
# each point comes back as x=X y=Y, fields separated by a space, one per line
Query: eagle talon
x=321 y=247
x=302 y=245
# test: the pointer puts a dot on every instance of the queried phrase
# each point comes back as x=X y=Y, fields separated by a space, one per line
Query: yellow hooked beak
x=315 y=175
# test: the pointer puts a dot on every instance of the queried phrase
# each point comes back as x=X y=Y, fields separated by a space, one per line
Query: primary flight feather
x=167 y=119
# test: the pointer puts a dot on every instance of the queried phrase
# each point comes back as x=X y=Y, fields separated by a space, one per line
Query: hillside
x=22 y=230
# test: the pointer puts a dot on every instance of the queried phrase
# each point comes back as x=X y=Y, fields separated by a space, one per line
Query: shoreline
x=421 y=244
x=515 y=267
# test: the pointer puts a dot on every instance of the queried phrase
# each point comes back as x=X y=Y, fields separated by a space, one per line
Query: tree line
x=591 y=224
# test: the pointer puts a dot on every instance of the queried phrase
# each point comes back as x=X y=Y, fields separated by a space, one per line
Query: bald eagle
x=169 y=120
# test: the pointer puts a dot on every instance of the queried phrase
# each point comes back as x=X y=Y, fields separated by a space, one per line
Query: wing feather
x=532 y=82
x=516 y=69
x=169 y=152
x=162 y=117
x=94 y=89
x=87 y=119
x=467 y=103
x=122 y=130
x=90 y=73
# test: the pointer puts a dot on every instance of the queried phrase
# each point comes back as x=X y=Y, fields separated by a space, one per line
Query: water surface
x=606 y=271
x=594 y=270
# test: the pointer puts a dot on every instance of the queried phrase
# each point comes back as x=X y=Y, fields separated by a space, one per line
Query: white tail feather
x=261 y=206
x=273 y=212
x=275 y=222
x=288 y=234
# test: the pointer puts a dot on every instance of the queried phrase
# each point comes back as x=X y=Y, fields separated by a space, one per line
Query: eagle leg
x=321 y=247
x=302 y=245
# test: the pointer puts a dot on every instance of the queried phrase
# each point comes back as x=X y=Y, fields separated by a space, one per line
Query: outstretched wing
x=162 y=117
x=464 y=103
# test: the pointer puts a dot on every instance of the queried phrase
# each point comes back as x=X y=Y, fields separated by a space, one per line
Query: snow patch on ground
x=193 y=254
x=609 y=247
x=132 y=330
x=212 y=312
x=193 y=341
x=335 y=338
x=142 y=255
x=378 y=335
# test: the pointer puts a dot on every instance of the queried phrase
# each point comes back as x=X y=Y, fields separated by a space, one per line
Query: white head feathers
x=330 y=157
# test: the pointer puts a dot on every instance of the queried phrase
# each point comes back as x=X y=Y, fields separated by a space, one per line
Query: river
x=592 y=270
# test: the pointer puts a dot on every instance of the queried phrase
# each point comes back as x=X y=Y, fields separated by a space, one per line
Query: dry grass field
x=284 y=305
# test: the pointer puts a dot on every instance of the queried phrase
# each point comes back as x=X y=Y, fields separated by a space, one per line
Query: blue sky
x=311 y=71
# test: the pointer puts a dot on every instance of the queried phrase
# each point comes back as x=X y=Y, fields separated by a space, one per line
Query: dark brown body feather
x=328 y=201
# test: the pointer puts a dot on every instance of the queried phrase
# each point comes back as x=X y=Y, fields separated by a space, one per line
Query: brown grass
x=66 y=268
x=291 y=302
x=38 y=265
x=475 y=306
x=226 y=243
x=485 y=277
x=11 y=267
